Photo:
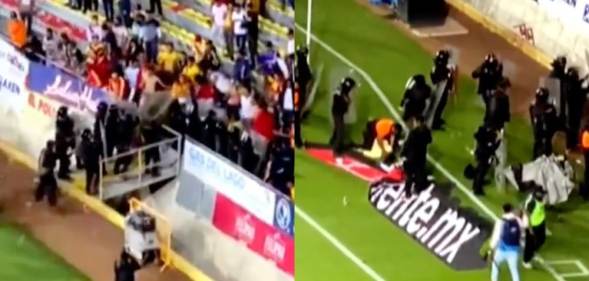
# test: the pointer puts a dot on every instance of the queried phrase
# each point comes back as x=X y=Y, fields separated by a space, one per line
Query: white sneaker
x=527 y=265
x=339 y=161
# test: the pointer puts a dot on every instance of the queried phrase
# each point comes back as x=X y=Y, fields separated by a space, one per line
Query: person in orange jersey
x=17 y=30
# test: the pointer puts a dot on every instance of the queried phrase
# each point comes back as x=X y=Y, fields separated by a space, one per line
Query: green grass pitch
x=22 y=258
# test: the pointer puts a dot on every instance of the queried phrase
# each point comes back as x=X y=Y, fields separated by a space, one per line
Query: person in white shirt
x=50 y=44
x=506 y=242
x=240 y=20
x=132 y=73
x=121 y=34
x=219 y=11
x=94 y=30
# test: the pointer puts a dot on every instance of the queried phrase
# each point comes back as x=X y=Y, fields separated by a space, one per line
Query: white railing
x=138 y=174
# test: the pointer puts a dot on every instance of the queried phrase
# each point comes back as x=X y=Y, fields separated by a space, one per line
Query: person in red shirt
x=99 y=69
x=205 y=95
x=262 y=129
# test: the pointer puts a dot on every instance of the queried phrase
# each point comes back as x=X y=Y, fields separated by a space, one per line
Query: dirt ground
x=82 y=238
x=523 y=72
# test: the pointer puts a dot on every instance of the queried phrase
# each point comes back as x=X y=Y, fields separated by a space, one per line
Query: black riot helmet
x=347 y=85
x=559 y=63
x=50 y=145
x=62 y=112
x=86 y=135
x=573 y=73
x=102 y=107
x=542 y=94
x=442 y=57
x=302 y=50
x=491 y=60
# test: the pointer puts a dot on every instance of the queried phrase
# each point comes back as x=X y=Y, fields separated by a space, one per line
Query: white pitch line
x=436 y=164
x=339 y=245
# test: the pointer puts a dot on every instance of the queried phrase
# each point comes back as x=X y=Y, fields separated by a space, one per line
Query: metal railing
x=138 y=174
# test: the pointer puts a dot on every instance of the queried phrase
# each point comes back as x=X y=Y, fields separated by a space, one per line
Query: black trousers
x=535 y=238
x=585 y=186
x=122 y=163
x=480 y=173
x=64 y=160
x=298 y=136
x=92 y=179
x=438 y=121
x=155 y=6
x=415 y=177
x=109 y=10
x=542 y=146
x=152 y=156
x=47 y=187
x=338 y=135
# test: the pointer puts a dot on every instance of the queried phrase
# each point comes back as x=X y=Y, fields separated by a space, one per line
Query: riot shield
x=553 y=86
x=154 y=105
x=437 y=93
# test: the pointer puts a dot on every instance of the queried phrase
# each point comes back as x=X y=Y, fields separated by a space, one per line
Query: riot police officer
x=64 y=141
x=415 y=154
x=111 y=129
x=441 y=72
x=280 y=173
x=126 y=133
x=417 y=94
x=487 y=141
x=47 y=185
x=151 y=133
x=339 y=108
x=497 y=111
x=91 y=155
x=303 y=74
x=575 y=99
x=544 y=122
x=489 y=74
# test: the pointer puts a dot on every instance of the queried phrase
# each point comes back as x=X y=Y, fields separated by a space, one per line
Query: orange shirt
x=117 y=86
x=17 y=30
x=384 y=128
x=585 y=140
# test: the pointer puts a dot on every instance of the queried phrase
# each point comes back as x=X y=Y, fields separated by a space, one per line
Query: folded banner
x=260 y=237
x=64 y=87
x=454 y=235
x=14 y=68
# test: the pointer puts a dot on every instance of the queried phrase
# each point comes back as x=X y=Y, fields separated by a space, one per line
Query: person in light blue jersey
x=506 y=242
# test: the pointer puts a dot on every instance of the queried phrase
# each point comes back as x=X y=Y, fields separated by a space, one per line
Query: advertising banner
x=454 y=235
x=230 y=180
x=260 y=237
x=284 y=214
x=64 y=87
x=570 y=11
x=14 y=68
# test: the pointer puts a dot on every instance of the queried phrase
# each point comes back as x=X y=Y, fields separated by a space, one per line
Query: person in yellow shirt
x=168 y=61
x=181 y=89
x=228 y=31
x=191 y=69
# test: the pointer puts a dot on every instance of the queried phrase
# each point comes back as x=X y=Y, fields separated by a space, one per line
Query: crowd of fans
x=246 y=116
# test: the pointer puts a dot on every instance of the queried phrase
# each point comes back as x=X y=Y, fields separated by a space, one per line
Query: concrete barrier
x=540 y=32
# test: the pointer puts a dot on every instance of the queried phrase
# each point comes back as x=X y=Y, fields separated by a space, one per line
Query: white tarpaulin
x=552 y=173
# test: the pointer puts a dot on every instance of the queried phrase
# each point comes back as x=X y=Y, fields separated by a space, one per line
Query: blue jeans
x=511 y=257
x=151 y=50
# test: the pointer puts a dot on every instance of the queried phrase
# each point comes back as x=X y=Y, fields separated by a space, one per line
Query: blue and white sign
x=572 y=12
x=14 y=68
x=228 y=179
x=284 y=214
